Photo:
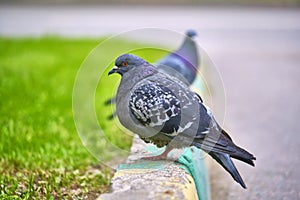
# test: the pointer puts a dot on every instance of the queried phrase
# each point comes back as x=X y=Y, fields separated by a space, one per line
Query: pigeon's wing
x=167 y=104
x=172 y=109
x=156 y=106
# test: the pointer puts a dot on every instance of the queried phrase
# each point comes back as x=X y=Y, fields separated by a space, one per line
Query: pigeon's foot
x=162 y=156
x=154 y=158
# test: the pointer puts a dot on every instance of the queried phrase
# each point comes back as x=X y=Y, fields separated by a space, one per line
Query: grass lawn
x=41 y=154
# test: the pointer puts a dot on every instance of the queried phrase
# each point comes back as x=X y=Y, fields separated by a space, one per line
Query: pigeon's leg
x=162 y=156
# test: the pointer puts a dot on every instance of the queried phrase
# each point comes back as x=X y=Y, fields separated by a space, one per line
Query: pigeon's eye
x=125 y=64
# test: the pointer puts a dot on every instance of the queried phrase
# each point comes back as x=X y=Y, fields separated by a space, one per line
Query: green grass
x=41 y=154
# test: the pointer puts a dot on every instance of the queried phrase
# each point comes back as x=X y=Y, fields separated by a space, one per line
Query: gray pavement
x=257 y=51
x=261 y=79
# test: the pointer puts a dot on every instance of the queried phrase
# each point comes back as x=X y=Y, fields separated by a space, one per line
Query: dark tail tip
x=243 y=185
x=244 y=156
x=246 y=160
x=225 y=161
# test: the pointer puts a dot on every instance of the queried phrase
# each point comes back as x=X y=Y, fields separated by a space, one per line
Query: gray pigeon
x=164 y=111
x=182 y=63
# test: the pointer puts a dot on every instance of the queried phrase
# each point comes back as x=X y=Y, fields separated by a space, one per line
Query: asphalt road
x=261 y=79
x=257 y=51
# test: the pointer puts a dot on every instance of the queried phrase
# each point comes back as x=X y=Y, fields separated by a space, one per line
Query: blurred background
x=254 y=44
x=166 y=2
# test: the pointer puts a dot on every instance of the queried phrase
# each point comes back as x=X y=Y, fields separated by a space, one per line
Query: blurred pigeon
x=164 y=111
x=182 y=63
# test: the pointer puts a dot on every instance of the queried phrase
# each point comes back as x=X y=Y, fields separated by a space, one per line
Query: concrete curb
x=185 y=178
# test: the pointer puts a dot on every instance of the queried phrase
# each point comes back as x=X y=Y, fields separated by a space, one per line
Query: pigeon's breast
x=125 y=115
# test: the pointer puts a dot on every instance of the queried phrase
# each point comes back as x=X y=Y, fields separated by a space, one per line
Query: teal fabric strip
x=192 y=161
x=144 y=164
x=147 y=164
x=198 y=83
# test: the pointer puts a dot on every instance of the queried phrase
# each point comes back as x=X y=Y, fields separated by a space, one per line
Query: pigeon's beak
x=113 y=70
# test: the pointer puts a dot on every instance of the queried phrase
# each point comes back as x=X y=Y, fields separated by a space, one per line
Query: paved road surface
x=258 y=54
x=263 y=104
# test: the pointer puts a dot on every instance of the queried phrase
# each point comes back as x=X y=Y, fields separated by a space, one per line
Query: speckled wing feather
x=156 y=106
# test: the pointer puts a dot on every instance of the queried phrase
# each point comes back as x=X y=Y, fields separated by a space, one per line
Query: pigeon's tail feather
x=231 y=149
x=228 y=165
x=240 y=154
x=243 y=155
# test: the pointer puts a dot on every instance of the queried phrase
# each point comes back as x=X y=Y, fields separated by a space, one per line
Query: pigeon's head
x=125 y=63
x=191 y=33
